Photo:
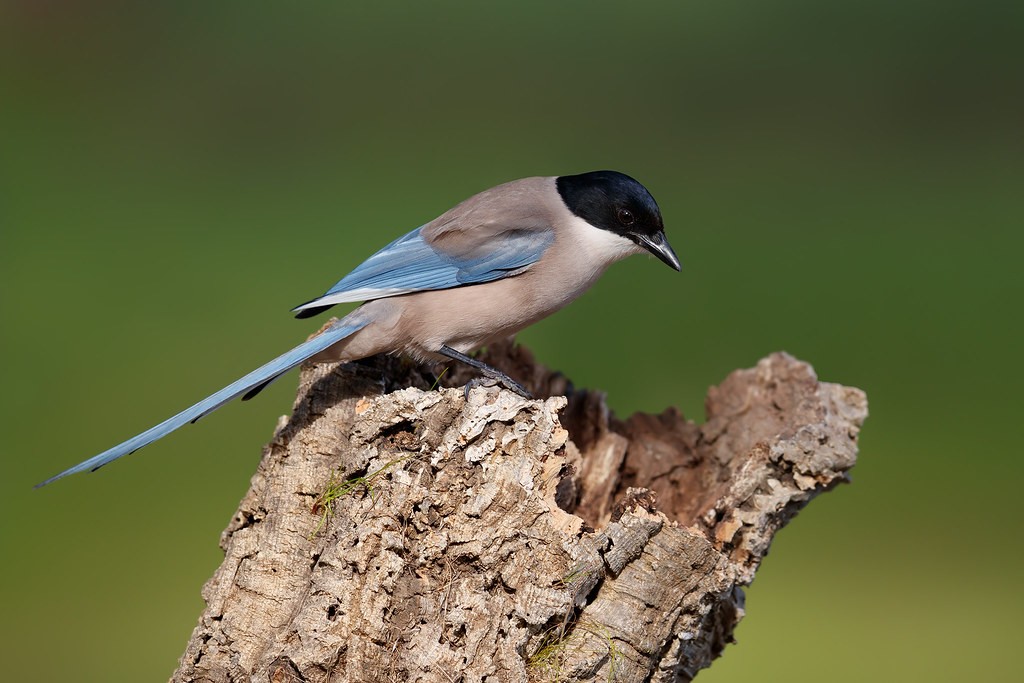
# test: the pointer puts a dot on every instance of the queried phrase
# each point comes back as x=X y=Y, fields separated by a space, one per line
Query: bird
x=478 y=273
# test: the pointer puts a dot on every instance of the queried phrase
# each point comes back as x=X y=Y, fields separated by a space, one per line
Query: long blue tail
x=255 y=380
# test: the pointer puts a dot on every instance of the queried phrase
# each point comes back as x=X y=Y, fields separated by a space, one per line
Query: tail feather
x=252 y=393
x=257 y=379
x=310 y=312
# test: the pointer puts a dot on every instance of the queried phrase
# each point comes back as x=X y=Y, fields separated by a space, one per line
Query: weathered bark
x=405 y=534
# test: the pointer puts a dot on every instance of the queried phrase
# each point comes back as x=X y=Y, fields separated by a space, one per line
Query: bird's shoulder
x=520 y=206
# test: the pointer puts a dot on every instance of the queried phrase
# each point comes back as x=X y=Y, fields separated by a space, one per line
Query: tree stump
x=399 y=532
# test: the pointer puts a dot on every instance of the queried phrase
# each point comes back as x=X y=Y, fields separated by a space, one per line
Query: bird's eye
x=626 y=217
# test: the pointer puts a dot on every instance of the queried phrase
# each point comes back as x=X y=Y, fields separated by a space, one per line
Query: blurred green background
x=842 y=180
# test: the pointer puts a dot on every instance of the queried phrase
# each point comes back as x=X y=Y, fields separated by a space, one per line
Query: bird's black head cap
x=611 y=201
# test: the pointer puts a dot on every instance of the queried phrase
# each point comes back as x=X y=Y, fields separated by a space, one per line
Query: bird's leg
x=486 y=370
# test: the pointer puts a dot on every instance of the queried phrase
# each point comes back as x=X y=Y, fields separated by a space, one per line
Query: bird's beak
x=659 y=246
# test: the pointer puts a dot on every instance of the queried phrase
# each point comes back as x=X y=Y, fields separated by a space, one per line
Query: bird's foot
x=479 y=382
x=491 y=376
x=503 y=381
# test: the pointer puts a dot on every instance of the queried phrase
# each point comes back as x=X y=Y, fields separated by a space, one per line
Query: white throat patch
x=600 y=246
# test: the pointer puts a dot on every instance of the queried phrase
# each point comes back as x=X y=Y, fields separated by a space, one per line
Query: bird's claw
x=504 y=381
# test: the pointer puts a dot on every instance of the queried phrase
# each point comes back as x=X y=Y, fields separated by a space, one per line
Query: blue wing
x=255 y=380
x=411 y=264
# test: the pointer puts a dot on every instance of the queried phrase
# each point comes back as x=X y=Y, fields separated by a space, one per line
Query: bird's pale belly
x=470 y=317
x=465 y=318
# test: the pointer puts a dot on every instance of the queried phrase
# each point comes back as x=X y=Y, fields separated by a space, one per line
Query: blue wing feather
x=410 y=264
x=260 y=376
